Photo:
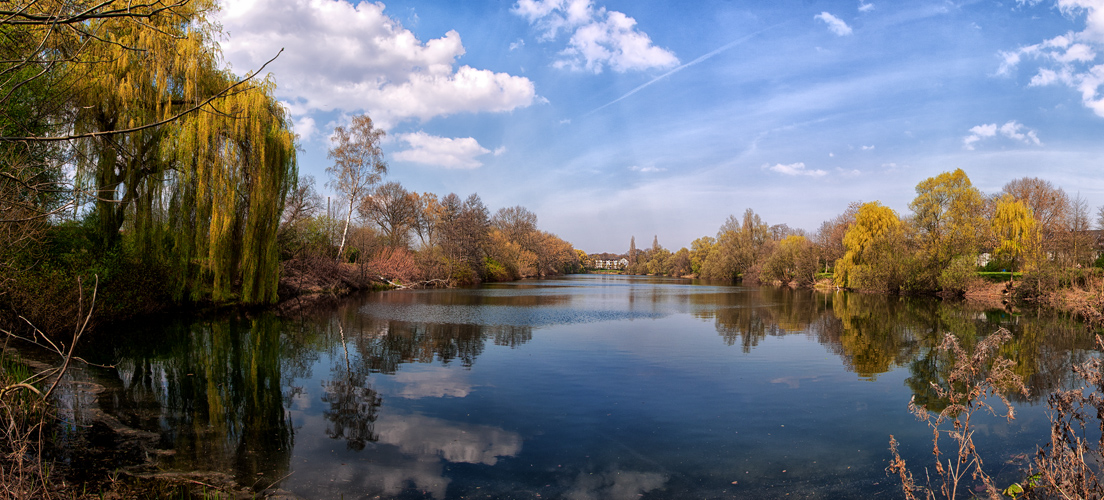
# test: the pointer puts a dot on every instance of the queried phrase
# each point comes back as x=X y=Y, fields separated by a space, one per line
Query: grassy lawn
x=996 y=276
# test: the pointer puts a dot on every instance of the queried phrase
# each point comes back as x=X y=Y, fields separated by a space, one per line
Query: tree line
x=128 y=155
x=405 y=237
x=953 y=231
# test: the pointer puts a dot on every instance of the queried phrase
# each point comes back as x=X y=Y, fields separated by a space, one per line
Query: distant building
x=610 y=264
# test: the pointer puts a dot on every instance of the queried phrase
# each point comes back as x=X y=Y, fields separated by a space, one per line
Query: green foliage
x=793 y=261
x=699 y=250
x=739 y=245
x=948 y=217
x=877 y=256
x=959 y=274
x=1016 y=232
x=495 y=271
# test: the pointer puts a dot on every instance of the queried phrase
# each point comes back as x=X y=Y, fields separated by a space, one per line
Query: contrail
x=723 y=48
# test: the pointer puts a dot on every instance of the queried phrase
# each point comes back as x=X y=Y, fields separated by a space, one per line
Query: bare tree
x=358 y=164
x=517 y=223
x=394 y=210
x=1050 y=205
x=426 y=219
x=301 y=203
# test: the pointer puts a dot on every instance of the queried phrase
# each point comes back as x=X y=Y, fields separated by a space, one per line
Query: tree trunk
x=348 y=217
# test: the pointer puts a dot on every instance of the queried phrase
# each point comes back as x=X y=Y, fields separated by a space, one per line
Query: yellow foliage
x=1017 y=232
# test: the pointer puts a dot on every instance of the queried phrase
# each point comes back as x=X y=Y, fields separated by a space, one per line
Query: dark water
x=588 y=387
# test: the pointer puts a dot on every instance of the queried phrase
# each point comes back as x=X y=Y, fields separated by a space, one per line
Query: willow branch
x=23 y=18
x=171 y=119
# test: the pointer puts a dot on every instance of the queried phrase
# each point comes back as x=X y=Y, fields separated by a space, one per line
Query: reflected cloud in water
x=436 y=382
x=455 y=442
x=615 y=485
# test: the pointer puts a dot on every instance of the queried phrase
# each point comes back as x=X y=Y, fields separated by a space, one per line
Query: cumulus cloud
x=355 y=57
x=1071 y=59
x=438 y=151
x=1012 y=130
x=598 y=37
x=305 y=127
x=835 y=24
x=795 y=169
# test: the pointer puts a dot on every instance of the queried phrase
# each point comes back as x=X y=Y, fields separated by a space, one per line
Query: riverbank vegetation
x=954 y=241
x=128 y=153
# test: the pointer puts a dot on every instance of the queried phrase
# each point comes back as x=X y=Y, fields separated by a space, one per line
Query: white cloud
x=1071 y=59
x=499 y=151
x=648 y=169
x=795 y=169
x=341 y=56
x=599 y=37
x=867 y=148
x=305 y=127
x=865 y=7
x=517 y=45
x=441 y=151
x=835 y=24
x=1012 y=130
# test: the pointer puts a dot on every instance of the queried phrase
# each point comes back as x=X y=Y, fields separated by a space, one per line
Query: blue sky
x=613 y=119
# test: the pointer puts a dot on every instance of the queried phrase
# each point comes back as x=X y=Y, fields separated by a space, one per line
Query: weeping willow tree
x=201 y=192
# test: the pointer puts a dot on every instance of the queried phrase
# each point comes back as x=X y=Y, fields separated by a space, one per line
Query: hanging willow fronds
x=200 y=194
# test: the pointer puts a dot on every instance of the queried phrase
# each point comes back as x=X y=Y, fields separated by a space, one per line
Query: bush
x=1039 y=282
x=959 y=275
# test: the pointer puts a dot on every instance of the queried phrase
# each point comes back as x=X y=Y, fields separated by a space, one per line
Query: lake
x=584 y=387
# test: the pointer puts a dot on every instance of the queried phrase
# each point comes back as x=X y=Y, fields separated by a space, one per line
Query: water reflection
x=214 y=391
x=874 y=334
x=358 y=399
x=353 y=405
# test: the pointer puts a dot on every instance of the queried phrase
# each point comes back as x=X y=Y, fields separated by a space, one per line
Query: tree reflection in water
x=354 y=406
x=212 y=390
x=873 y=334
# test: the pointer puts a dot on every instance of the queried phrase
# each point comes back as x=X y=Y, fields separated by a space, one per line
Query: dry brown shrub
x=1068 y=466
x=977 y=378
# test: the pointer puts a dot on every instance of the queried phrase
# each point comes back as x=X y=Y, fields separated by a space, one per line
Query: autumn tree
x=1017 y=233
x=699 y=251
x=358 y=164
x=740 y=243
x=948 y=218
x=829 y=237
x=427 y=219
x=632 y=252
x=394 y=210
x=875 y=248
x=518 y=223
x=678 y=263
x=793 y=261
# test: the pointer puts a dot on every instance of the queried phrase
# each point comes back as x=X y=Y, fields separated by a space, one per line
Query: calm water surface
x=588 y=387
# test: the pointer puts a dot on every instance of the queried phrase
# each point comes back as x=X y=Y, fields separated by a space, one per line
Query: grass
x=997 y=276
